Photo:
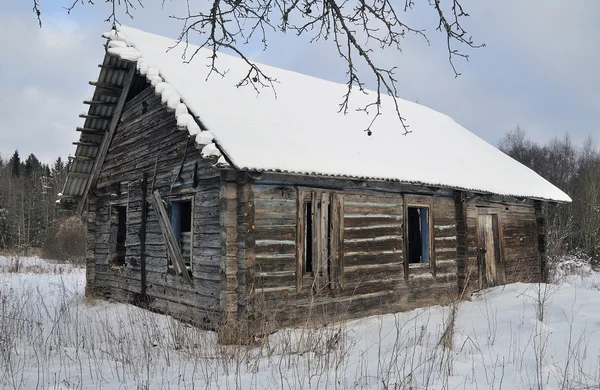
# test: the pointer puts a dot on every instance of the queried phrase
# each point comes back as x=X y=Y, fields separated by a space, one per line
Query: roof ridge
x=299 y=129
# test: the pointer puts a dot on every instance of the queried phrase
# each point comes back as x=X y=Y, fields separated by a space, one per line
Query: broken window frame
x=326 y=239
x=419 y=201
x=177 y=229
x=116 y=211
x=174 y=256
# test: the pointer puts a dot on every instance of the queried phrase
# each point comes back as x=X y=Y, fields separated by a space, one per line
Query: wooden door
x=491 y=267
x=320 y=240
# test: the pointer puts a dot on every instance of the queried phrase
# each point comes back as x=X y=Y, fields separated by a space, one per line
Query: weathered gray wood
x=540 y=218
x=153 y=146
x=323 y=236
x=317 y=243
x=350 y=185
x=99 y=103
x=107 y=138
x=249 y=234
x=91 y=243
x=112 y=87
x=229 y=261
x=142 y=235
x=97 y=117
x=169 y=236
x=300 y=238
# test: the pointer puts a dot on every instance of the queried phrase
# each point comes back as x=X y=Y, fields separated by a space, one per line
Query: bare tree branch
x=129 y=6
x=356 y=27
x=454 y=31
x=37 y=12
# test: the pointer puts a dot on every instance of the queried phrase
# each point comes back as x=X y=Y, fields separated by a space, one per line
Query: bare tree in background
x=576 y=170
x=356 y=28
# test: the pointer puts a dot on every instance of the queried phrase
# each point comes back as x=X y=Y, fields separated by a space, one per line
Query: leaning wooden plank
x=170 y=240
x=107 y=139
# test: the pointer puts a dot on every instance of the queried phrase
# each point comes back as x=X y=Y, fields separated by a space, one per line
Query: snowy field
x=520 y=336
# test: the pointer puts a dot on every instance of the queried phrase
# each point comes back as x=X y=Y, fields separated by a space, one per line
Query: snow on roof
x=300 y=130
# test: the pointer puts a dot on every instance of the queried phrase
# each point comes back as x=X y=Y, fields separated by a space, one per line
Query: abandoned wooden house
x=221 y=205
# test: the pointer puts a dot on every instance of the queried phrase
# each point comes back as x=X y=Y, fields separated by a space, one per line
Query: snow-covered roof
x=300 y=130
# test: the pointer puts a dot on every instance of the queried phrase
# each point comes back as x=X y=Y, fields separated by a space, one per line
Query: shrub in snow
x=577 y=264
x=66 y=242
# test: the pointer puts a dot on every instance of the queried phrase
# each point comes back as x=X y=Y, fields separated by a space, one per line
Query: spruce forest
x=29 y=220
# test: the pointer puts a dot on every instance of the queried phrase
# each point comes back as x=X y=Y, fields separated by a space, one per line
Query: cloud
x=41 y=83
x=538 y=69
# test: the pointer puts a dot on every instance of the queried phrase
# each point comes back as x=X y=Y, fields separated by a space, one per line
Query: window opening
x=120 y=248
x=308 y=252
x=181 y=222
x=418 y=235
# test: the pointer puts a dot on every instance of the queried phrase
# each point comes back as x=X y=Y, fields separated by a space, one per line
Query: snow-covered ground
x=519 y=336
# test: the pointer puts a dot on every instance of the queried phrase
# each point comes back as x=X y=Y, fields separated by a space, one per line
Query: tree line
x=29 y=188
x=572 y=227
x=28 y=192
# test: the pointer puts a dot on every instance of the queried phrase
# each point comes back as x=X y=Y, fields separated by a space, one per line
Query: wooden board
x=172 y=245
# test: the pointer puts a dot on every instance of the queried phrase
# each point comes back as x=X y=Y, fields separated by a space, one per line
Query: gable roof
x=300 y=130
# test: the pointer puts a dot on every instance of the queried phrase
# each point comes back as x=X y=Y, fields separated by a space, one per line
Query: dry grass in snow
x=520 y=336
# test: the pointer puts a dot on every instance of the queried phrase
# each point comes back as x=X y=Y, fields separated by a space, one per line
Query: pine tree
x=15 y=163
x=33 y=166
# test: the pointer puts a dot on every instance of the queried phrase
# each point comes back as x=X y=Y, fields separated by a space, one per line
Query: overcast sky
x=539 y=69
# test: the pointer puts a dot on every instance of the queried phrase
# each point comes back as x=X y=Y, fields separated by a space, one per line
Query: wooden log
x=111 y=67
x=229 y=262
x=80 y=143
x=142 y=235
x=97 y=117
x=99 y=103
x=111 y=87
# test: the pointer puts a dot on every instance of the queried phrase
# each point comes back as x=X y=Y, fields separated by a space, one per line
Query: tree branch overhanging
x=356 y=27
x=37 y=11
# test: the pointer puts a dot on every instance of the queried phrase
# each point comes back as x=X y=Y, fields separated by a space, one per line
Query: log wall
x=520 y=249
x=372 y=275
x=245 y=236
x=147 y=143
